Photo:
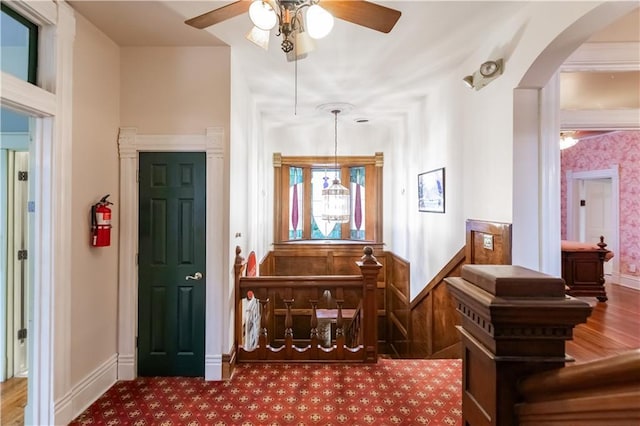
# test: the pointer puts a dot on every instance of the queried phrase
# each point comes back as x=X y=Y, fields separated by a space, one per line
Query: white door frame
x=50 y=101
x=130 y=144
x=573 y=180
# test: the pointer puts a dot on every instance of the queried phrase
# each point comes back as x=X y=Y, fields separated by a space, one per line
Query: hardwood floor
x=13 y=398
x=612 y=328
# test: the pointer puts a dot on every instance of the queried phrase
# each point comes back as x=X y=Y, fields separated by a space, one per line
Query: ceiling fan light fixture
x=319 y=22
x=259 y=37
x=288 y=16
x=262 y=15
x=303 y=45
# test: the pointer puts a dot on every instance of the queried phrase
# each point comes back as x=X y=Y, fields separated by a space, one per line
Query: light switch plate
x=487 y=241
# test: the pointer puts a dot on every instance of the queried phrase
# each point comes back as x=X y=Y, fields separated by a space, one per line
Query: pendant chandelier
x=337 y=201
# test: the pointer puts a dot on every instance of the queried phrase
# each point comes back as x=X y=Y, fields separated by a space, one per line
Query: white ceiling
x=376 y=72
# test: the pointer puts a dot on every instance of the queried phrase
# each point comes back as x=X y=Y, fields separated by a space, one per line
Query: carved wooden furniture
x=515 y=322
x=292 y=309
x=583 y=268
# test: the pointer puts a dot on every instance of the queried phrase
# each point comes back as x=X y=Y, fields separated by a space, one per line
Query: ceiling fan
x=298 y=31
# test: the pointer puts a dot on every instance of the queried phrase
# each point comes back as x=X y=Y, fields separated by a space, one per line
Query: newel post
x=515 y=322
x=369 y=268
x=238 y=268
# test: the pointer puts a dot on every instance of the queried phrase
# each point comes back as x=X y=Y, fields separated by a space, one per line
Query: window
x=298 y=204
x=19 y=41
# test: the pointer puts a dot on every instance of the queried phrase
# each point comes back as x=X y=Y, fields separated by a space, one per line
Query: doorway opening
x=593 y=210
x=15 y=241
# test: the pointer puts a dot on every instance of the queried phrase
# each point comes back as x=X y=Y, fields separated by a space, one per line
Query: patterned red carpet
x=392 y=392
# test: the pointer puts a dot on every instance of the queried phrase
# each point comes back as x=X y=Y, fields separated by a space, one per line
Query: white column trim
x=42 y=12
x=619 y=119
x=216 y=250
x=130 y=144
x=61 y=205
x=51 y=152
x=614 y=56
x=127 y=269
x=549 y=175
x=26 y=97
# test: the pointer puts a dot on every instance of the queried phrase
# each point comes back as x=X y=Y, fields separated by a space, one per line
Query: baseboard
x=86 y=392
x=213 y=367
x=126 y=367
x=630 y=281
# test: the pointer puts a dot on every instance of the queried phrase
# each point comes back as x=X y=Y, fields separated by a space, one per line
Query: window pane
x=322 y=229
x=296 y=198
x=19 y=41
x=15 y=130
x=358 y=202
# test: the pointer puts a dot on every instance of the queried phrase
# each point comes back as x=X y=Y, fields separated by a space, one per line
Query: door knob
x=196 y=276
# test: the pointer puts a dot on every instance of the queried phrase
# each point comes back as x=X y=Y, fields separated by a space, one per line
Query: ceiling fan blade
x=218 y=15
x=361 y=12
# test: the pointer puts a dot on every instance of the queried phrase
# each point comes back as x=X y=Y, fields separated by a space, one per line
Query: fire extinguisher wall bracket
x=101 y=223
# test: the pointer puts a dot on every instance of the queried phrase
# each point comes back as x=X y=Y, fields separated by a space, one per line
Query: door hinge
x=137 y=175
x=137 y=257
x=23 y=175
x=22 y=255
x=22 y=334
x=137 y=340
x=583 y=203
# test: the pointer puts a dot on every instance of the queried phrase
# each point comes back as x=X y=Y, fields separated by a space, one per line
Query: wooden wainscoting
x=425 y=326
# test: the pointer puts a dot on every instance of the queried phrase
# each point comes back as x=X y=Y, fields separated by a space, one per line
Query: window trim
x=373 y=165
x=32 y=61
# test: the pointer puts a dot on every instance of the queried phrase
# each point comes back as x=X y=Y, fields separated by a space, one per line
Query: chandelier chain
x=335 y=148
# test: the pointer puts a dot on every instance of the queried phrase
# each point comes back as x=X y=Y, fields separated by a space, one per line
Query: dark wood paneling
x=397 y=304
x=429 y=322
x=498 y=233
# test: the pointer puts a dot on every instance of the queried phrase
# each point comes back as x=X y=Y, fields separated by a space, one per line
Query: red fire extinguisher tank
x=101 y=223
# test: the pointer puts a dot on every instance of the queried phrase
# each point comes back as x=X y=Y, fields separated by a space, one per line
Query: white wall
x=242 y=212
x=94 y=271
x=175 y=90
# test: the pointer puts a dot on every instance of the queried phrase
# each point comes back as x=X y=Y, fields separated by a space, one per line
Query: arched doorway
x=536 y=188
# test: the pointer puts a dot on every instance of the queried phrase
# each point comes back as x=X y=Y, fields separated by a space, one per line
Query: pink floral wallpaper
x=601 y=152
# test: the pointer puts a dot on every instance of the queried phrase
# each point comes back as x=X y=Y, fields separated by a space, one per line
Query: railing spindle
x=339 y=331
x=288 y=330
x=314 y=329
x=262 y=341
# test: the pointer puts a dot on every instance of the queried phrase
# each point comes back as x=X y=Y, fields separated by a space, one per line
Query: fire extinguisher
x=101 y=223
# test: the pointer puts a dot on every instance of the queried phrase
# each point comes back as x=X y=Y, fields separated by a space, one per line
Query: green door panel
x=171 y=237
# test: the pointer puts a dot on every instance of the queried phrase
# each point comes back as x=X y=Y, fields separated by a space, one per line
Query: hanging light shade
x=319 y=22
x=567 y=141
x=337 y=201
x=262 y=15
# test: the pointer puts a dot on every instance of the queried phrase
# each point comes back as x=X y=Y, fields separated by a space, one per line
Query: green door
x=171 y=255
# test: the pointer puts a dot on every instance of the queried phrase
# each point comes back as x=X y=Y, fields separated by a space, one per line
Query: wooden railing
x=309 y=318
x=603 y=392
x=515 y=322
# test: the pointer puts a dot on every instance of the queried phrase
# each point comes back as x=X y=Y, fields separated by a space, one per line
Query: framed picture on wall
x=431 y=191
